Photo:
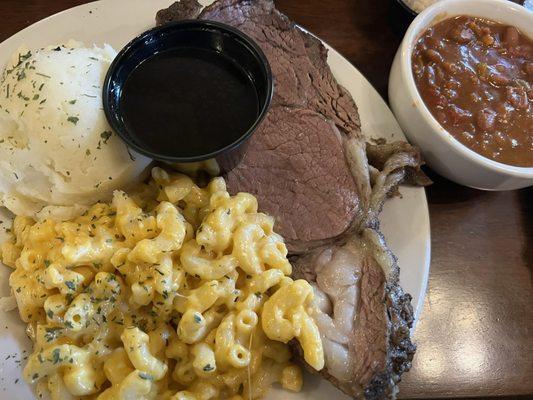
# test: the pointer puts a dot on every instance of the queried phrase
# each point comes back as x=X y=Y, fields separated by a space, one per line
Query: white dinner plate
x=404 y=221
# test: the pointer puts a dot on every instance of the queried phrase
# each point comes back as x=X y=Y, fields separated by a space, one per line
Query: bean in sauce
x=476 y=78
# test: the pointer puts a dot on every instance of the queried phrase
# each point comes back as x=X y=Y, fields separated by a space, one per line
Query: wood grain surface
x=475 y=335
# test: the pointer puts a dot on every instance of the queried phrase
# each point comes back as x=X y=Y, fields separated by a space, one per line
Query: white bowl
x=440 y=149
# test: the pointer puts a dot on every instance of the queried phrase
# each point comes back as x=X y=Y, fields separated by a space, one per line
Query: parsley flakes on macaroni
x=174 y=292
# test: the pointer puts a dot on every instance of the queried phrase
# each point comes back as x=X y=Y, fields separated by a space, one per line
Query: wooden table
x=475 y=336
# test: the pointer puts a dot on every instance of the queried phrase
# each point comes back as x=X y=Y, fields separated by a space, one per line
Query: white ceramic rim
x=425 y=19
x=409 y=212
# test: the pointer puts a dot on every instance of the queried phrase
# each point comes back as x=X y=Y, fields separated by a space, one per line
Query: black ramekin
x=209 y=35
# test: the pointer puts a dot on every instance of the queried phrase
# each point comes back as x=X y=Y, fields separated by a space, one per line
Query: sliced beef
x=298 y=61
x=309 y=108
x=308 y=166
x=345 y=192
x=305 y=181
x=364 y=317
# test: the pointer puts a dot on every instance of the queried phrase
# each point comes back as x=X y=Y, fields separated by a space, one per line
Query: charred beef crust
x=400 y=348
x=380 y=153
x=390 y=165
x=400 y=317
x=179 y=10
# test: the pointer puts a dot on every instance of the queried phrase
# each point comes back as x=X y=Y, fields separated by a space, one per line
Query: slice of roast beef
x=304 y=182
x=337 y=182
x=307 y=164
x=311 y=191
x=363 y=315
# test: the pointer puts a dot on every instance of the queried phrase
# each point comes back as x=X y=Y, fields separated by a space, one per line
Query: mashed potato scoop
x=57 y=151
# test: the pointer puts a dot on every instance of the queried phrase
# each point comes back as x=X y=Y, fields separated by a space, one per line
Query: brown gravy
x=188 y=102
x=476 y=78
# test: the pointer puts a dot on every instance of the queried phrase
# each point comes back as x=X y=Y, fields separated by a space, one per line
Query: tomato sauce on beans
x=476 y=78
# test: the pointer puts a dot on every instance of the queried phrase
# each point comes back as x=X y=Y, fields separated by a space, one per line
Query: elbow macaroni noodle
x=176 y=292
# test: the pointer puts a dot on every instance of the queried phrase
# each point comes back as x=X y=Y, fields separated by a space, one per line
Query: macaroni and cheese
x=175 y=292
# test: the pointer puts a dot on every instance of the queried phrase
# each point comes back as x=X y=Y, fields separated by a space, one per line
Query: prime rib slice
x=309 y=166
x=304 y=182
x=309 y=189
x=316 y=193
x=363 y=314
